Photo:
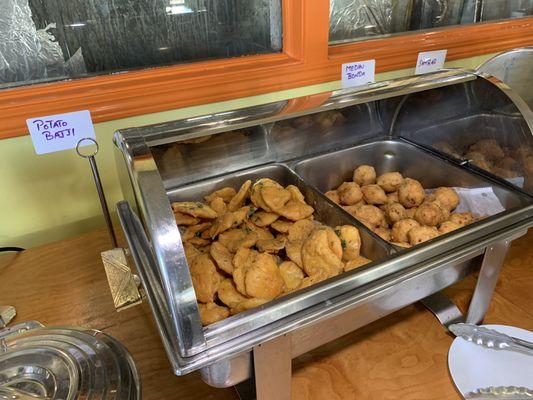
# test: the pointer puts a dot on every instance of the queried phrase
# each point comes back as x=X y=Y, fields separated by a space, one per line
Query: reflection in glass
x=352 y=20
x=51 y=39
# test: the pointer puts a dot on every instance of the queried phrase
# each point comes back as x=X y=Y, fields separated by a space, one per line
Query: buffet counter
x=403 y=355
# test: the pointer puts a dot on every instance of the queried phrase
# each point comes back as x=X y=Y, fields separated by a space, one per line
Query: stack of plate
x=64 y=363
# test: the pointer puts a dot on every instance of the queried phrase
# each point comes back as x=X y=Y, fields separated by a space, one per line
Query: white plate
x=473 y=367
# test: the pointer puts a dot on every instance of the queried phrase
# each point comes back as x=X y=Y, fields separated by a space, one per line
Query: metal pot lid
x=63 y=364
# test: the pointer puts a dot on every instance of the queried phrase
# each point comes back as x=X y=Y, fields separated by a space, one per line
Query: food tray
x=326 y=172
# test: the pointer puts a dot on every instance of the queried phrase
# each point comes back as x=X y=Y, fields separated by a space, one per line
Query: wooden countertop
x=401 y=356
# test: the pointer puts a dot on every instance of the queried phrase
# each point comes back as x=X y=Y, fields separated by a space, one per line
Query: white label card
x=60 y=132
x=358 y=73
x=430 y=61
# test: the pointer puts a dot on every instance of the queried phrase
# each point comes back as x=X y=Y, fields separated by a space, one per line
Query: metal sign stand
x=124 y=285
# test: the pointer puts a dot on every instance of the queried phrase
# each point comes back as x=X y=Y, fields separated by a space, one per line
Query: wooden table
x=401 y=356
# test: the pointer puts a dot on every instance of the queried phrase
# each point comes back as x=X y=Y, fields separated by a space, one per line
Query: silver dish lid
x=63 y=364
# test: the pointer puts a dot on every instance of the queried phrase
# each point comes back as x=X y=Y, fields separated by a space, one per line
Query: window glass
x=57 y=39
x=352 y=20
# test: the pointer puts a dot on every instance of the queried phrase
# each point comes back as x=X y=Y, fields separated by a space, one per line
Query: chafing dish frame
x=343 y=302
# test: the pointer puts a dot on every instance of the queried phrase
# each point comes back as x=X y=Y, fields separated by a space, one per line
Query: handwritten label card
x=430 y=61
x=61 y=131
x=358 y=73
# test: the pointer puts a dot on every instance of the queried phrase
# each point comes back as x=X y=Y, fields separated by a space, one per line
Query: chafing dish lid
x=64 y=363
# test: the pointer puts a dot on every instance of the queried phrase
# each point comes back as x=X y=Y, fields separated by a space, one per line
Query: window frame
x=306 y=59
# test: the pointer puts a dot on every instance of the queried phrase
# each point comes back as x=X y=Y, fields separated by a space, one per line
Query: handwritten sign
x=61 y=131
x=430 y=61
x=358 y=73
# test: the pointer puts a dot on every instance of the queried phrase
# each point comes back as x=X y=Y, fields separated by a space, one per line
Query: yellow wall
x=50 y=197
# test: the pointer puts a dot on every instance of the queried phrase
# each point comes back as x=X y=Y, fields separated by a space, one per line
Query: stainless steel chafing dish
x=390 y=125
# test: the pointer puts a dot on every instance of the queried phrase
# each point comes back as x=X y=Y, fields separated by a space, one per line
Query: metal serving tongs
x=124 y=285
x=490 y=338
x=501 y=392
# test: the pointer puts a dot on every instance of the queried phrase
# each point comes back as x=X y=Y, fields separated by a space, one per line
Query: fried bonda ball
x=374 y=194
x=401 y=228
x=462 y=219
x=479 y=160
x=430 y=214
x=364 y=175
x=490 y=149
x=448 y=226
x=420 y=234
x=212 y=312
x=390 y=181
x=349 y=193
x=447 y=197
x=447 y=148
x=333 y=195
x=372 y=215
x=393 y=197
x=383 y=233
x=411 y=193
x=350 y=241
x=394 y=212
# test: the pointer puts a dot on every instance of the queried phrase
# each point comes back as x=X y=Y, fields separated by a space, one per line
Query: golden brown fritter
x=262 y=278
x=238 y=200
x=212 y=312
x=263 y=218
x=322 y=253
x=183 y=219
x=301 y=230
x=294 y=251
x=222 y=257
x=233 y=239
x=281 y=225
x=292 y=275
x=205 y=278
x=271 y=245
x=356 y=263
x=219 y=205
x=225 y=194
x=350 y=241
x=195 y=209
